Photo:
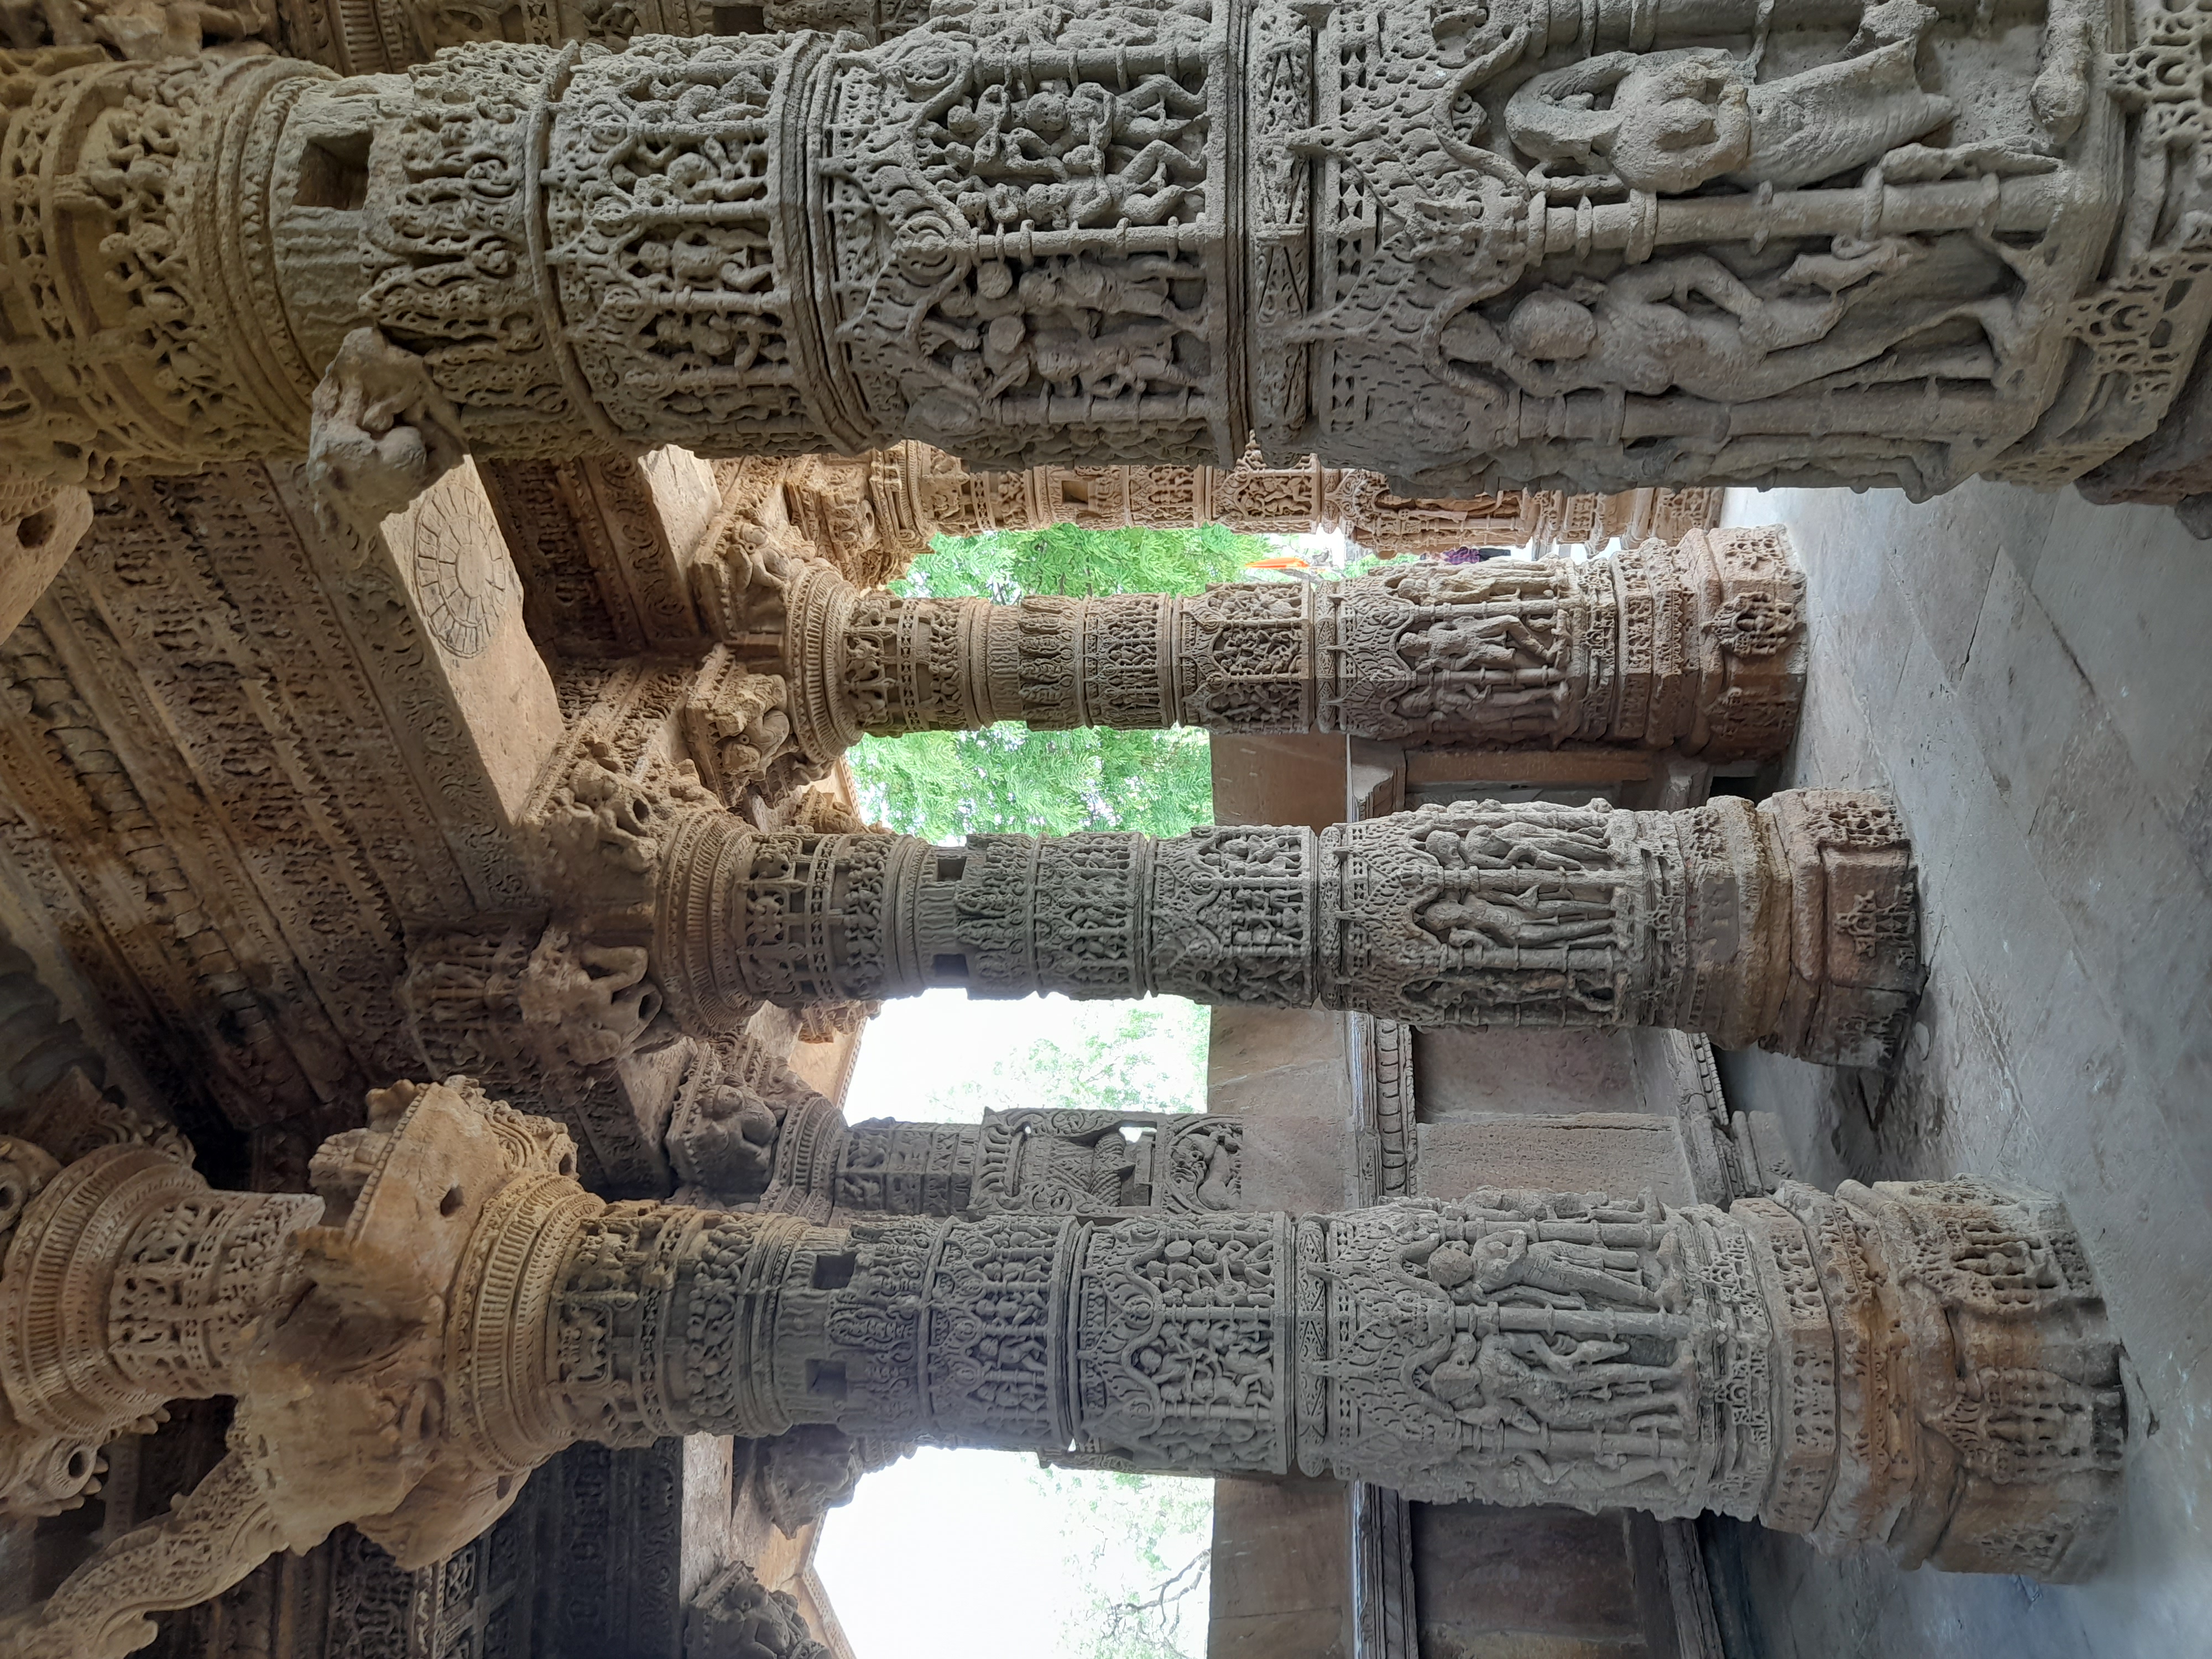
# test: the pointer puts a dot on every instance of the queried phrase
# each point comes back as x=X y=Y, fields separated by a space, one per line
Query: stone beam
x=1923 y=1369
x=1696 y=645
x=1793 y=924
x=41 y=524
x=1035 y=237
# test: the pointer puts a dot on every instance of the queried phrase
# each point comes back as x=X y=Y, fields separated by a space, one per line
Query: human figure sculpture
x=1928 y=262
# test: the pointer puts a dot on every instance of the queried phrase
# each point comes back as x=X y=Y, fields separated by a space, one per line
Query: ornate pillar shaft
x=1026 y=240
x=1926 y=1368
x=1292 y=500
x=798 y=1156
x=1044 y=1161
x=1515 y=1348
x=1793 y=924
x=1697 y=645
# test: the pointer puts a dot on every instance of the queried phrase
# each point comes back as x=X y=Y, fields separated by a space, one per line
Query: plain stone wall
x=1282 y=1557
x=1493 y=1583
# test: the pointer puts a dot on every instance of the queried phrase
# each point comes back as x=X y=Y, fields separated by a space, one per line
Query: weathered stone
x=735 y=1618
x=746 y=1133
x=1792 y=924
x=1460 y=251
x=1924 y=1368
x=1697 y=645
x=41 y=524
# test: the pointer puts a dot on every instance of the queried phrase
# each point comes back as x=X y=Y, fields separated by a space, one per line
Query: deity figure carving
x=1924 y=1368
x=1696 y=645
x=1792 y=924
x=1513 y=247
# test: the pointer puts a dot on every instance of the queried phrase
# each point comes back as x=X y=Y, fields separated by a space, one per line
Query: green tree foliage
x=949 y=784
x=1008 y=564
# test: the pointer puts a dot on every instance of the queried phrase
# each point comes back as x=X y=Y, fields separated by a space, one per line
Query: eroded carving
x=1584 y=1348
x=383 y=432
x=1788 y=924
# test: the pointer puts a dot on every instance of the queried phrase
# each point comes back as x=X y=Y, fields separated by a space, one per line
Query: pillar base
x=1980 y=1422
x=1855 y=967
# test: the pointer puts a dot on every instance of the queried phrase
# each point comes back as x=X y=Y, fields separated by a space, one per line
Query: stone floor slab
x=2065 y=1039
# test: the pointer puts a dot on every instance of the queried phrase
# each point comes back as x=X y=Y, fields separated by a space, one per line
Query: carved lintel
x=41 y=524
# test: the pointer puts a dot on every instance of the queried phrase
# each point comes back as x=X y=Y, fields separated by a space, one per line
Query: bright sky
x=976 y=1555
x=932 y=1058
x=968 y=1554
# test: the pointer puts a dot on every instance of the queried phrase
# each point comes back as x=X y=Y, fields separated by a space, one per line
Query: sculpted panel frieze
x=1903 y=246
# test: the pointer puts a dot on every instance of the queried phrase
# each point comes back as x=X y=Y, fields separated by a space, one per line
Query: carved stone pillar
x=129 y=1283
x=746 y=1132
x=1698 y=646
x=1793 y=924
x=1925 y=1369
x=1468 y=252
x=1292 y=500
